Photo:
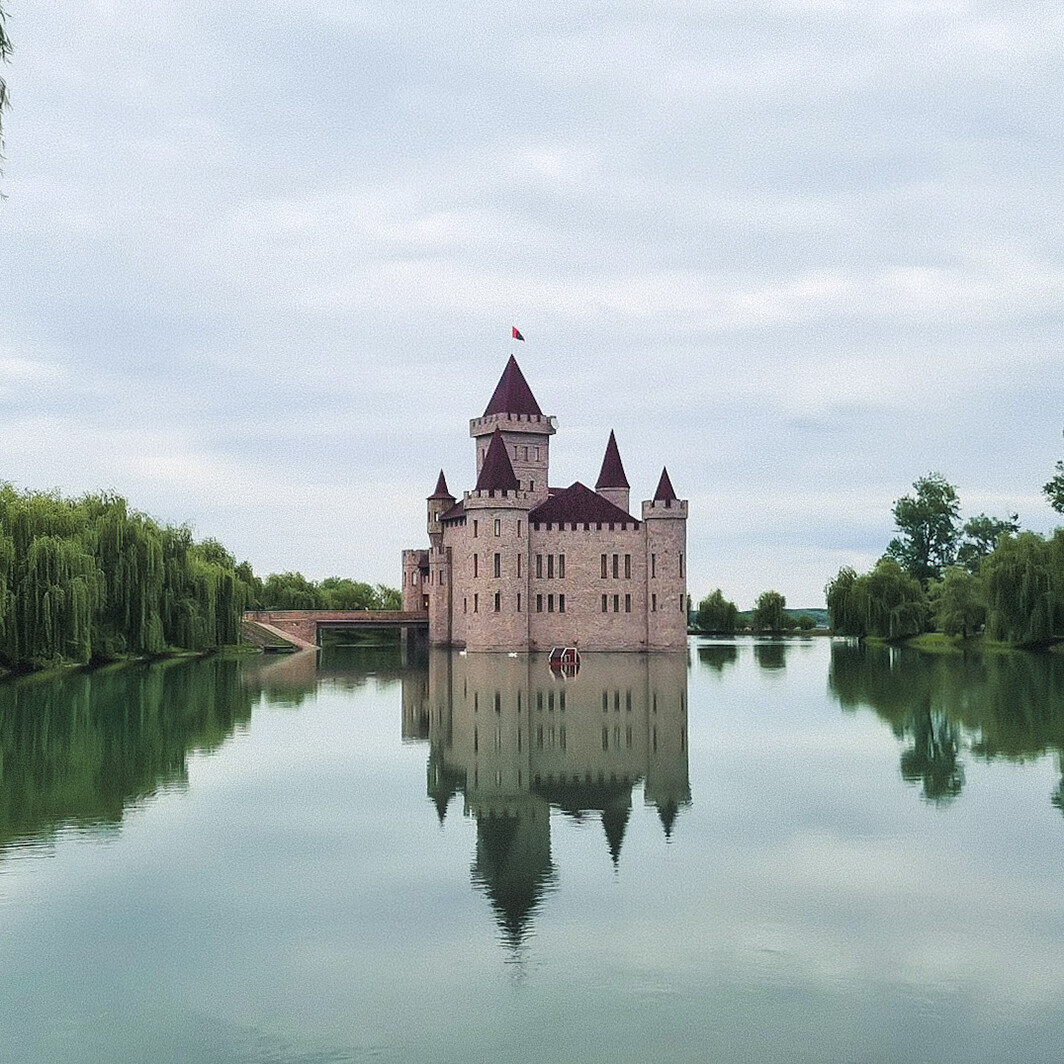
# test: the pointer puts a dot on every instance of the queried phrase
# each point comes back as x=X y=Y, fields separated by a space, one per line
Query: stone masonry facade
x=517 y=565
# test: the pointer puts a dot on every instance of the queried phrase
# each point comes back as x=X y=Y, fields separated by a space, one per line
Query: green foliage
x=716 y=614
x=958 y=602
x=981 y=535
x=768 y=612
x=806 y=623
x=928 y=523
x=1053 y=489
x=293 y=591
x=1025 y=588
x=88 y=578
x=888 y=602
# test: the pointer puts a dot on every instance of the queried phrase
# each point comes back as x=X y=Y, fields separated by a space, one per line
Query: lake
x=755 y=852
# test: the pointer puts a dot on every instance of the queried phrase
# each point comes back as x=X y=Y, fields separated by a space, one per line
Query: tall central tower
x=526 y=431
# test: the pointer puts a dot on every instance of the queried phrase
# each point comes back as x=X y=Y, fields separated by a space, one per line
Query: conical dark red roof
x=664 y=492
x=512 y=394
x=442 y=491
x=612 y=473
x=497 y=474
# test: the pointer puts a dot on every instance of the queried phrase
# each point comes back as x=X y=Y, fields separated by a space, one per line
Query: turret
x=612 y=484
x=439 y=502
x=495 y=567
x=665 y=520
x=525 y=429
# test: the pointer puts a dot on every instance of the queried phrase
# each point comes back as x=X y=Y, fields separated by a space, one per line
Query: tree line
x=89 y=579
x=716 y=615
x=985 y=574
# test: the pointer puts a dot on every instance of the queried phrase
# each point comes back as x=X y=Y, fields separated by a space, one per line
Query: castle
x=517 y=565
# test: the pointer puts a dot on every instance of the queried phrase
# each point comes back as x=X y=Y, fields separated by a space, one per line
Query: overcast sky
x=261 y=260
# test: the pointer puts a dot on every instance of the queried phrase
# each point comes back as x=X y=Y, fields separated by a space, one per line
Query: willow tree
x=1020 y=593
x=5 y=53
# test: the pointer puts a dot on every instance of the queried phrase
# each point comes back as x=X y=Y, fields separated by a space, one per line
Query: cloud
x=801 y=252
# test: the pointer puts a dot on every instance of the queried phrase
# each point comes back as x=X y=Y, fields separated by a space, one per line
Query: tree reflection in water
x=518 y=741
x=77 y=749
x=997 y=705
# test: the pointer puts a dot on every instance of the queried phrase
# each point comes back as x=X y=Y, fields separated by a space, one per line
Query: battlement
x=483 y=500
x=538 y=424
x=667 y=508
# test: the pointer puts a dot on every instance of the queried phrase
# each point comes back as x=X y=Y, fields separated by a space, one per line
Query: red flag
x=517 y=335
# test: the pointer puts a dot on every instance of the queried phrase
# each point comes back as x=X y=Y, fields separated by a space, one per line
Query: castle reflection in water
x=516 y=739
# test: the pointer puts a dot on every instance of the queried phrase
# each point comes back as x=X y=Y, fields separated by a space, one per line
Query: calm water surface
x=756 y=852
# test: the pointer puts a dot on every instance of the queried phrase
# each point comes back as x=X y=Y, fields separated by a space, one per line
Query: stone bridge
x=302 y=626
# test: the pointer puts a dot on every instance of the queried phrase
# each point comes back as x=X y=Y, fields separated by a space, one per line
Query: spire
x=512 y=394
x=615 y=820
x=442 y=491
x=612 y=473
x=665 y=492
x=497 y=474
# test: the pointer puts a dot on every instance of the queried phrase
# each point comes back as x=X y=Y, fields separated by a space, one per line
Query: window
x=476 y=603
x=550 y=566
x=550 y=603
x=561 y=566
x=681 y=563
x=498 y=564
x=519 y=528
x=441 y=577
x=536 y=449
x=653 y=603
x=616 y=603
x=413 y=578
x=561 y=603
x=627 y=603
x=603 y=566
x=526 y=454
x=476 y=564
x=498 y=602
x=539 y=566
x=519 y=565
x=653 y=565
x=518 y=610
x=498 y=527
x=605 y=738
x=681 y=603
x=628 y=567
x=539 y=604
x=603 y=603
x=474 y=529
x=531 y=485
x=615 y=557
x=465 y=605
x=498 y=705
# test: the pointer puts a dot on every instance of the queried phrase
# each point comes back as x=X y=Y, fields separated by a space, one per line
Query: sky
x=261 y=260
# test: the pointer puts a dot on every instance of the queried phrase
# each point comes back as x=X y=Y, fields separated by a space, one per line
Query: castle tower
x=525 y=430
x=495 y=563
x=665 y=520
x=439 y=502
x=612 y=484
